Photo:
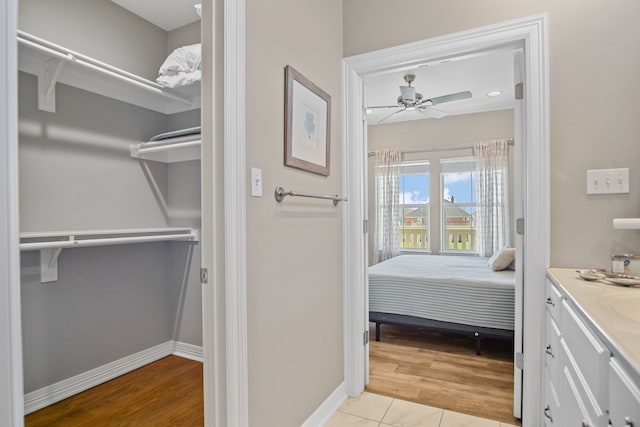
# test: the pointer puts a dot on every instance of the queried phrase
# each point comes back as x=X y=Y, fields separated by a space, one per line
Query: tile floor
x=374 y=410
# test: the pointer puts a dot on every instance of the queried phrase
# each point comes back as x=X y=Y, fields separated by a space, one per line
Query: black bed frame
x=478 y=332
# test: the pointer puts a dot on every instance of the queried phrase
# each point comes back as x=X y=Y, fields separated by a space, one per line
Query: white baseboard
x=56 y=392
x=329 y=407
x=188 y=351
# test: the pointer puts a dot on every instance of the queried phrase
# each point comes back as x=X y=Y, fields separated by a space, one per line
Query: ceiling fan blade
x=451 y=97
x=389 y=115
x=382 y=106
x=432 y=112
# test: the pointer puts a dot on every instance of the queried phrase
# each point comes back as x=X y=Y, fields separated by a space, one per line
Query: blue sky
x=415 y=188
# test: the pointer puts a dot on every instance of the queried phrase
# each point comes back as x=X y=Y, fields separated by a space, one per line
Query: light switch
x=608 y=181
x=256 y=182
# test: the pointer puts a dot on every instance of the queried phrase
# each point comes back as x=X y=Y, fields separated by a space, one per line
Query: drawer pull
x=548 y=351
x=547 y=413
x=550 y=302
x=628 y=422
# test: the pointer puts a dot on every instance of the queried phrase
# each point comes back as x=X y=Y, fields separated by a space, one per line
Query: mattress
x=454 y=289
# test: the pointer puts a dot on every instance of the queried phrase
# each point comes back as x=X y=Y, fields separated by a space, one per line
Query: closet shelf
x=167 y=151
x=52 y=63
x=626 y=223
x=51 y=243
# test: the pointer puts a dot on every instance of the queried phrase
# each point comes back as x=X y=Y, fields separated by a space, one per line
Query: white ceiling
x=478 y=73
x=167 y=15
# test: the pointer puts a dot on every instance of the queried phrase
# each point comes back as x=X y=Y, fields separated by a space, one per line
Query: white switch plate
x=608 y=181
x=256 y=182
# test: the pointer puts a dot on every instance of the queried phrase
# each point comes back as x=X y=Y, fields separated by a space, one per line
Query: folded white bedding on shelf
x=182 y=67
x=188 y=132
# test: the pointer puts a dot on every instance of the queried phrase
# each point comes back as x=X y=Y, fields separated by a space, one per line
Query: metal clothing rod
x=280 y=194
x=72 y=243
x=167 y=146
x=470 y=145
x=88 y=62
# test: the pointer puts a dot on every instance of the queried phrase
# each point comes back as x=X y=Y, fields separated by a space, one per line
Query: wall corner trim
x=320 y=416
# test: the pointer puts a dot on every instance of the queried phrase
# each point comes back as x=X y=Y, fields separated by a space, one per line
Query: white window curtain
x=387 y=176
x=492 y=195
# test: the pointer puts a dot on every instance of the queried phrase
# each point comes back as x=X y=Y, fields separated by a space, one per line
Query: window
x=414 y=206
x=458 y=223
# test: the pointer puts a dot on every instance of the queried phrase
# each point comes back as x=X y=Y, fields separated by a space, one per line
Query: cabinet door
x=552 y=347
x=552 y=412
x=580 y=406
x=553 y=298
x=590 y=355
x=624 y=398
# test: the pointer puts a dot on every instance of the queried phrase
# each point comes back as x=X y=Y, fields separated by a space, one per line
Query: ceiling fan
x=410 y=100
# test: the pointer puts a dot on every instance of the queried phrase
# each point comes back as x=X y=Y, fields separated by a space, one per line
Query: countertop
x=602 y=305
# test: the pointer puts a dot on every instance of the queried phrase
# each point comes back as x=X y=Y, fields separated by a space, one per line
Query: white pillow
x=185 y=59
x=502 y=258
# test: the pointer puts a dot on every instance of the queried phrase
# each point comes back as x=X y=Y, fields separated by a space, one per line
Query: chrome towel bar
x=280 y=194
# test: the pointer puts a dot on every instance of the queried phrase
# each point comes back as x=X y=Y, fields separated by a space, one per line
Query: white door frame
x=224 y=329
x=11 y=389
x=532 y=33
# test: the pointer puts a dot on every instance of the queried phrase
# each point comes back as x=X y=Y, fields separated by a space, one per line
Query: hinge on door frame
x=520 y=226
x=365 y=226
x=366 y=337
x=519 y=362
x=204 y=276
x=519 y=91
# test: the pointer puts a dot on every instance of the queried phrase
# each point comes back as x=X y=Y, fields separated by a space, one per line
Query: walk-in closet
x=109 y=187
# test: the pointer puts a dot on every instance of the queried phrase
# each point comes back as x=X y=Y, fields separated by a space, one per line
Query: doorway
x=532 y=134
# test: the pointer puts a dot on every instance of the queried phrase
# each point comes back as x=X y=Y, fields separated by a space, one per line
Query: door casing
x=531 y=33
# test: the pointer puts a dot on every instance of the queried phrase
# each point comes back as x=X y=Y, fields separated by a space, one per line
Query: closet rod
x=167 y=146
x=106 y=241
x=470 y=145
x=88 y=62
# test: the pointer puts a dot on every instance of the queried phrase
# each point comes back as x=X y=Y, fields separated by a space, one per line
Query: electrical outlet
x=608 y=181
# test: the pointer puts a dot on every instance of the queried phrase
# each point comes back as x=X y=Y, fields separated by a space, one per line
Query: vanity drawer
x=553 y=298
x=579 y=405
x=552 y=411
x=552 y=346
x=590 y=355
x=624 y=397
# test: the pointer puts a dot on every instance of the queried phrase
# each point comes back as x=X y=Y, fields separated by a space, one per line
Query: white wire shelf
x=51 y=243
x=168 y=150
x=53 y=63
x=626 y=223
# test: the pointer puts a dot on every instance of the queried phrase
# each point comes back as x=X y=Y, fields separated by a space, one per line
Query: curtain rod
x=510 y=141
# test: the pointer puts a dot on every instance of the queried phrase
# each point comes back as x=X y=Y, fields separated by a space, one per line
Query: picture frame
x=307 y=124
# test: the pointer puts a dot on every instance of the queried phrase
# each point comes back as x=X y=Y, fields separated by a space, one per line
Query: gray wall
x=189 y=34
x=294 y=249
x=417 y=134
x=76 y=173
x=100 y=29
x=589 y=45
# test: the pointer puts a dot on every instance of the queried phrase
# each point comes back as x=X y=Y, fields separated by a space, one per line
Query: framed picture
x=307 y=124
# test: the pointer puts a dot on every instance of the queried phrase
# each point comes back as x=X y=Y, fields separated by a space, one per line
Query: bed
x=447 y=293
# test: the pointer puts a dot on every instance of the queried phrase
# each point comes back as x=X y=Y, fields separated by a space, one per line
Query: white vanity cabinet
x=577 y=367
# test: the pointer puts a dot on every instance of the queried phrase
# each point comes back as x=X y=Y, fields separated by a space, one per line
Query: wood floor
x=442 y=370
x=165 y=393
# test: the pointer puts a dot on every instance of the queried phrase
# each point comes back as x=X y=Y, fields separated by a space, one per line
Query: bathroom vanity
x=592 y=352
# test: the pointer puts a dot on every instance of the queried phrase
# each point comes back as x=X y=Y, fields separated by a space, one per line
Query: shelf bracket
x=49 y=264
x=47 y=84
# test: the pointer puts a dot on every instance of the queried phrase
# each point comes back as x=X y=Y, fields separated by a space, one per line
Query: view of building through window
x=458 y=205
x=414 y=206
